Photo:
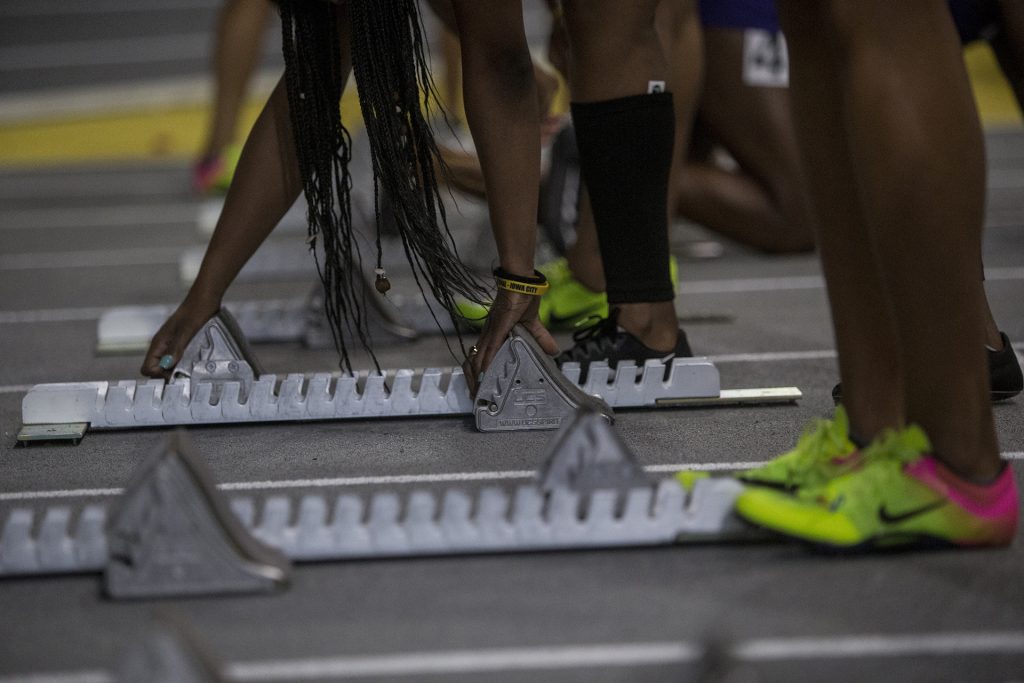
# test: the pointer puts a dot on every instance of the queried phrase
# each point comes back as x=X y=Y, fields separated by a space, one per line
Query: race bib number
x=765 y=59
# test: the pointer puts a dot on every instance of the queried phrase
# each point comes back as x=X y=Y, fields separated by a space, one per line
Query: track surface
x=69 y=248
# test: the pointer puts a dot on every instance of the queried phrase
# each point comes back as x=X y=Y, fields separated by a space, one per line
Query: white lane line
x=98 y=186
x=374 y=481
x=105 y=52
x=67 y=493
x=15 y=388
x=773 y=357
x=62 y=677
x=22 y=9
x=386 y=480
x=781 y=284
x=759 y=284
x=100 y=216
x=100 y=258
x=590 y=656
x=467 y=661
x=150 y=94
x=1004 y=273
x=51 y=315
x=896 y=645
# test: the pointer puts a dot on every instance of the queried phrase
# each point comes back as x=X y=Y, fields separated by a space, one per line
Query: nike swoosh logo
x=890 y=518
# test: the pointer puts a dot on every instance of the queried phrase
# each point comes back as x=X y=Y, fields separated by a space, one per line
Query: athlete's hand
x=173 y=336
x=508 y=310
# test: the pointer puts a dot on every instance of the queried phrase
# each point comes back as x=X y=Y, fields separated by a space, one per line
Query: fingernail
x=167 y=362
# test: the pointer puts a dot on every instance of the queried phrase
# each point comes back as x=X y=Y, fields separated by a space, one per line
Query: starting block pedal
x=524 y=389
x=174 y=533
x=219 y=381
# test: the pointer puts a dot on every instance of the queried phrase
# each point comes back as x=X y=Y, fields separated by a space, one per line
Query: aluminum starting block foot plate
x=174 y=533
x=524 y=389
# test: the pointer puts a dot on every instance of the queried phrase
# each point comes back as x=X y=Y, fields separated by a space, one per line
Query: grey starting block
x=173 y=532
x=524 y=389
x=229 y=387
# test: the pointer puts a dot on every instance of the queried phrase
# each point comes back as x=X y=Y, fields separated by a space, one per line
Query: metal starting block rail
x=218 y=380
x=174 y=533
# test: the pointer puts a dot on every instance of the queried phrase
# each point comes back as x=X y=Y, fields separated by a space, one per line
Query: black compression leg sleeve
x=625 y=149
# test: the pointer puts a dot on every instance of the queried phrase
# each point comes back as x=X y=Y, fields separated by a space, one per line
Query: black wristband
x=536 y=279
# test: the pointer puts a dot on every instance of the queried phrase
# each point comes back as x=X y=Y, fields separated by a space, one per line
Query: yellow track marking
x=177 y=133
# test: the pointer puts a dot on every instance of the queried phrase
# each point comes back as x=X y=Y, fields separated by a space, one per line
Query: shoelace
x=822 y=436
x=886 y=456
x=597 y=337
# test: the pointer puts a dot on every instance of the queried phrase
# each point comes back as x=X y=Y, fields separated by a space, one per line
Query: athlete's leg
x=679 y=30
x=239 y=43
x=616 y=54
x=265 y=186
x=1009 y=45
x=863 y=324
x=884 y=108
x=682 y=41
x=764 y=203
x=1009 y=49
x=451 y=52
x=502 y=111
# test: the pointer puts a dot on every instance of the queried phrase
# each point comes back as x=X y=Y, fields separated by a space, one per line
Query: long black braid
x=395 y=86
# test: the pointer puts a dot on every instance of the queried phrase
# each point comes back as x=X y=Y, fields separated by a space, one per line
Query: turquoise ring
x=167 y=362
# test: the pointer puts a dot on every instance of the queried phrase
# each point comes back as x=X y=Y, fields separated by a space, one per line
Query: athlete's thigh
x=746 y=113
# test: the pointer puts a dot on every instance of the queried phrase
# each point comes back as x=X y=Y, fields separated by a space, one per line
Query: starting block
x=218 y=381
x=174 y=533
x=392 y=319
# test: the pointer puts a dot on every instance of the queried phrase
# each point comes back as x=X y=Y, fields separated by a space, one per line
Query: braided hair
x=395 y=87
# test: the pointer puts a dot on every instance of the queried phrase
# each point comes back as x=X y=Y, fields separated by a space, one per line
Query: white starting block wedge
x=522 y=389
x=174 y=533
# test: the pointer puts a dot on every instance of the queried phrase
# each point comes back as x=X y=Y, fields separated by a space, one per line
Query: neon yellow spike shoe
x=823 y=452
x=565 y=305
x=568 y=302
x=899 y=497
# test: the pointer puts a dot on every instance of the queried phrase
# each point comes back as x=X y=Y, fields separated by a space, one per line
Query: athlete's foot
x=1006 y=379
x=608 y=341
x=822 y=453
x=1004 y=371
x=586 y=268
x=899 y=496
x=653 y=324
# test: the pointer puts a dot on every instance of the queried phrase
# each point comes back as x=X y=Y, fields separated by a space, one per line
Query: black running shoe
x=1004 y=371
x=1005 y=376
x=606 y=341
